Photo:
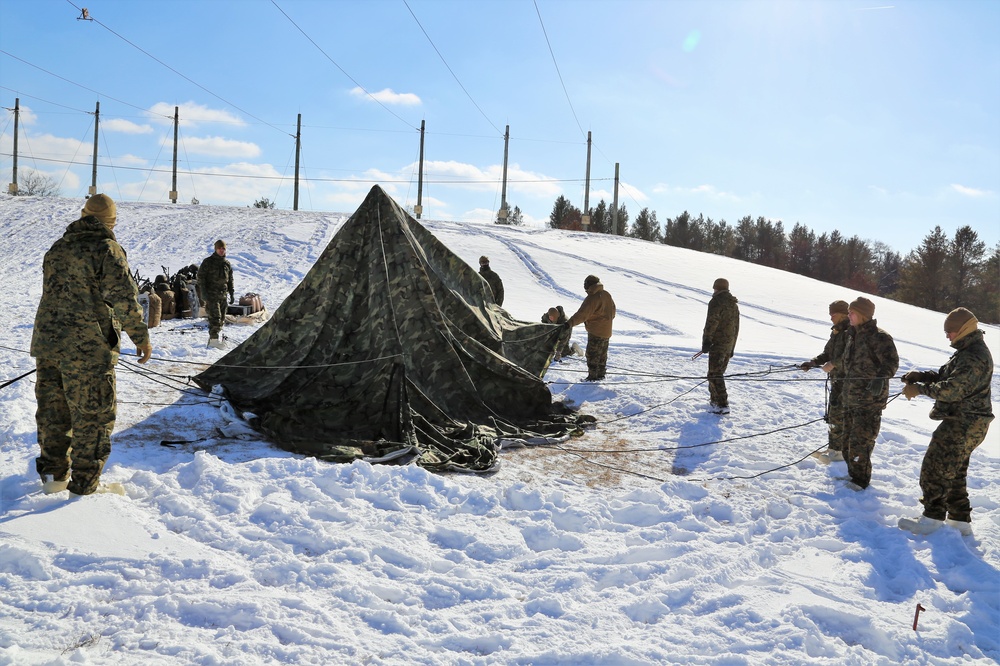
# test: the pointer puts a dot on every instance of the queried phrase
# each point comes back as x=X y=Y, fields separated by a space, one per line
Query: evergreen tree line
x=941 y=274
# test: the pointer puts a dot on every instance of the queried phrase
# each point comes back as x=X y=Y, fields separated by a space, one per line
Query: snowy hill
x=665 y=535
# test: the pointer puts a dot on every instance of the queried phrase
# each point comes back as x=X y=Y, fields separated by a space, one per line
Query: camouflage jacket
x=215 y=277
x=834 y=348
x=88 y=296
x=596 y=312
x=722 y=325
x=869 y=353
x=496 y=284
x=962 y=386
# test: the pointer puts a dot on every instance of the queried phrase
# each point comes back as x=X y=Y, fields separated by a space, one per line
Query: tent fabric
x=392 y=346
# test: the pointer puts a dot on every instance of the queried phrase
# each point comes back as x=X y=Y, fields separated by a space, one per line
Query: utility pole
x=173 y=183
x=502 y=213
x=93 y=176
x=298 y=149
x=12 y=188
x=585 y=219
x=419 y=209
x=614 y=207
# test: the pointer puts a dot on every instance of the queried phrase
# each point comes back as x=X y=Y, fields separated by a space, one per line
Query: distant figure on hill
x=868 y=363
x=963 y=402
x=595 y=313
x=718 y=340
x=492 y=279
x=215 y=281
x=835 y=408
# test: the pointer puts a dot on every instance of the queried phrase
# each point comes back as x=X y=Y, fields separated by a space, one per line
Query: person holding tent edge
x=595 y=313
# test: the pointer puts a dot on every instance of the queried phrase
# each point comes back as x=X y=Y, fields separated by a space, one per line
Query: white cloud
x=191 y=114
x=221 y=147
x=708 y=191
x=388 y=96
x=124 y=126
x=969 y=191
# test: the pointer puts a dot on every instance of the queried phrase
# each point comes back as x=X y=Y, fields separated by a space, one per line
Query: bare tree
x=35 y=184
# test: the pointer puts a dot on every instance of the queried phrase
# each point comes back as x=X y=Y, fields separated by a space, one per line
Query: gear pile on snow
x=393 y=346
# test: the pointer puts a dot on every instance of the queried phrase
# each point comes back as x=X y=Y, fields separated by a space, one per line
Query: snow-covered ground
x=664 y=535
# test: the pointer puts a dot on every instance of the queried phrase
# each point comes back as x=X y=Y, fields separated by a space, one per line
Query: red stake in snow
x=917 y=615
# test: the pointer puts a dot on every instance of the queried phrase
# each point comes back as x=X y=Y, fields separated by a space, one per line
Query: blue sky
x=880 y=119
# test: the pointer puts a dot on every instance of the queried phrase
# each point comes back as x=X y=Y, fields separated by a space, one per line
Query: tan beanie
x=103 y=208
x=863 y=307
x=959 y=319
x=721 y=284
x=839 y=307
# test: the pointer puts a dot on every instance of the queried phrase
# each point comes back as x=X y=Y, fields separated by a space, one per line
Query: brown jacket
x=596 y=312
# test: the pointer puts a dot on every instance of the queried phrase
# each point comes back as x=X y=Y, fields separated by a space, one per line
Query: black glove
x=566 y=325
x=913 y=376
x=230 y=299
x=808 y=365
x=876 y=386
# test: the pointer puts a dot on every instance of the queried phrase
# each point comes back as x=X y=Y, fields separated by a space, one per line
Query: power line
x=325 y=55
x=188 y=79
x=556 y=64
x=450 y=69
x=63 y=78
x=317 y=180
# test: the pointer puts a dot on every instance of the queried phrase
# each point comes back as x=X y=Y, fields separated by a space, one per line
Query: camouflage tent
x=392 y=345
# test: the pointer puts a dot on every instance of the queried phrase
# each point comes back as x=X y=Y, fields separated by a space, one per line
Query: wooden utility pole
x=173 y=182
x=419 y=209
x=298 y=149
x=614 y=207
x=502 y=213
x=12 y=188
x=585 y=219
x=93 y=176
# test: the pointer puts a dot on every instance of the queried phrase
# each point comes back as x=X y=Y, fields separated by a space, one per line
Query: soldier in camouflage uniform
x=718 y=340
x=869 y=361
x=963 y=404
x=215 y=282
x=492 y=279
x=835 y=409
x=88 y=297
x=595 y=313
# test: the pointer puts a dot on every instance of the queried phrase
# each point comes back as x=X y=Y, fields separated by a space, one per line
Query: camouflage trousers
x=597 y=356
x=835 y=417
x=717 y=364
x=75 y=417
x=215 y=310
x=945 y=466
x=861 y=426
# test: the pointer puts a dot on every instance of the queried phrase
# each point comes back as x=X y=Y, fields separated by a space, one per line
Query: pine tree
x=645 y=226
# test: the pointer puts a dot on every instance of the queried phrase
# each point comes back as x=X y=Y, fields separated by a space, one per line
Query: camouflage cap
x=721 y=284
x=220 y=244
